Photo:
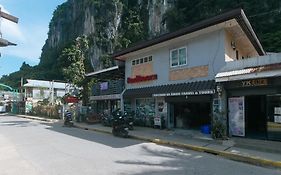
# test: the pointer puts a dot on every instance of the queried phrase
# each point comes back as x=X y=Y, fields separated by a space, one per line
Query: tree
x=76 y=66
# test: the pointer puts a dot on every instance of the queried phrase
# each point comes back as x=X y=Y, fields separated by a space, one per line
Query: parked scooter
x=129 y=120
x=68 y=119
x=106 y=119
x=119 y=127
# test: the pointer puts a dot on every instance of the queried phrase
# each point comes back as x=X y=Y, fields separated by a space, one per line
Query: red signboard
x=71 y=99
x=139 y=78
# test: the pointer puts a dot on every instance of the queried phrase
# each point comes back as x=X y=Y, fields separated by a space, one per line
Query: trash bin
x=205 y=129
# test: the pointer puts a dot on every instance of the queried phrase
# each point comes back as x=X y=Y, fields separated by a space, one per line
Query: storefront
x=107 y=91
x=106 y=104
x=184 y=105
x=106 y=96
x=254 y=108
x=190 y=112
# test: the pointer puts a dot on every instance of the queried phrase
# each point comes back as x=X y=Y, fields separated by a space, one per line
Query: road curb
x=92 y=129
x=232 y=156
x=36 y=118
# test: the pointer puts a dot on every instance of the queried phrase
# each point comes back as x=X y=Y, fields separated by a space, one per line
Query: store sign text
x=139 y=78
x=258 y=82
x=203 y=92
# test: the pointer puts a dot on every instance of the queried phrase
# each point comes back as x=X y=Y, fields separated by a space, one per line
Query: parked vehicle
x=119 y=127
x=68 y=119
x=140 y=118
x=2 y=107
x=129 y=120
x=106 y=118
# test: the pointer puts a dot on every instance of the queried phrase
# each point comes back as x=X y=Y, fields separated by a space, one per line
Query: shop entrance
x=191 y=115
x=255 y=116
x=106 y=105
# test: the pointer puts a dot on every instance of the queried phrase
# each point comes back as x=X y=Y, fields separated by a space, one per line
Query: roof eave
x=249 y=31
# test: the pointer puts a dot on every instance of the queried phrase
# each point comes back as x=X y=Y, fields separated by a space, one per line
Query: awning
x=115 y=72
x=193 y=88
x=264 y=71
x=106 y=97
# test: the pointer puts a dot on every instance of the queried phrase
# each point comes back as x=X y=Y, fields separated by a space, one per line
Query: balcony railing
x=108 y=88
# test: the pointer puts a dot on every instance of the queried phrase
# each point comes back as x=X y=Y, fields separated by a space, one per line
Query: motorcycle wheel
x=131 y=127
x=125 y=134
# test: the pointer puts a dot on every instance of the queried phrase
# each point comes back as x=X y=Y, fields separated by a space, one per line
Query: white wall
x=47 y=93
x=207 y=49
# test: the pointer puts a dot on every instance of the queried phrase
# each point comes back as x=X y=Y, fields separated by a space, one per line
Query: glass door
x=274 y=117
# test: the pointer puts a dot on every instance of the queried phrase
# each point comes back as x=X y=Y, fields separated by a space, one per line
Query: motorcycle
x=106 y=119
x=119 y=127
x=68 y=120
x=129 y=120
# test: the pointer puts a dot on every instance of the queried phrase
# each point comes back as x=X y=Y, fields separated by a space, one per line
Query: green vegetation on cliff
x=265 y=16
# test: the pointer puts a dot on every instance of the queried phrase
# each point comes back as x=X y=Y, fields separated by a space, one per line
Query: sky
x=30 y=33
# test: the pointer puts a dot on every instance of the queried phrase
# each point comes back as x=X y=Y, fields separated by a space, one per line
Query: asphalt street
x=30 y=147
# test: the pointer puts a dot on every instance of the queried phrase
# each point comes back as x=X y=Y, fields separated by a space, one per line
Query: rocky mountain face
x=108 y=24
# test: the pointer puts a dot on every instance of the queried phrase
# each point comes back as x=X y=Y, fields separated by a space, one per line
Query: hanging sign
x=103 y=86
x=71 y=99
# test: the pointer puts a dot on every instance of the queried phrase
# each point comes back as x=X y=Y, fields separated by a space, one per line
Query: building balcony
x=108 y=87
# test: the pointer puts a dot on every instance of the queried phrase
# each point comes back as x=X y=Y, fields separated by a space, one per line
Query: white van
x=2 y=107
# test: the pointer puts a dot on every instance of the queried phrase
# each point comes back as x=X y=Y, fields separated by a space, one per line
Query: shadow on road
x=174 y=161
x=102 y=138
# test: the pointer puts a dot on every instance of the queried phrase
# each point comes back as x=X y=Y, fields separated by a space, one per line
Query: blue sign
x=103 y=86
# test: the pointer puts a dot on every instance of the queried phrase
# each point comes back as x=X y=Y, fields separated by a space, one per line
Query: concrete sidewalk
x=257 y=152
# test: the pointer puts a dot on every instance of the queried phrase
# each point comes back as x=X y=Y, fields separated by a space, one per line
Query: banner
x=236 y=116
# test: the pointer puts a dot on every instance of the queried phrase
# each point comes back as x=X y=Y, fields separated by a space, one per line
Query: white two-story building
x=173 y=76
x=39 y=90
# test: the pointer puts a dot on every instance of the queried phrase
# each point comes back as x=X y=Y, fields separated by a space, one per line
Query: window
x=142 y=60
x=182 y=56
x=145 y=59
x=178 y=57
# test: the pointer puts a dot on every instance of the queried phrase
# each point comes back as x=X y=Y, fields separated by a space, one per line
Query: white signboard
x=277 y=110
x=236 y=116
x=157 y=121
x=277 y=119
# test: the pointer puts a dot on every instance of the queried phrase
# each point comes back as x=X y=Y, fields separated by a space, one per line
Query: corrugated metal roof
x=46 y=84
x=234 y=72
x=263 y=68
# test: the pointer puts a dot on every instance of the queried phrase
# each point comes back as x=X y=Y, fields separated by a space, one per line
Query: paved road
x=31 y=147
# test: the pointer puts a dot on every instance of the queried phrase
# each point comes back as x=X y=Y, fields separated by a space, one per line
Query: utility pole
x=52 y=93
